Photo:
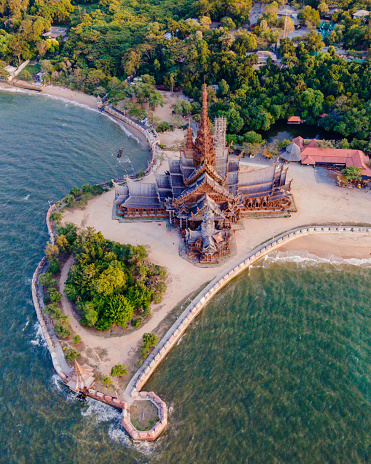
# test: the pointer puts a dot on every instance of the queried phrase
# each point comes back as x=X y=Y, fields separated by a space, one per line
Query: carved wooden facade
x=196 y=183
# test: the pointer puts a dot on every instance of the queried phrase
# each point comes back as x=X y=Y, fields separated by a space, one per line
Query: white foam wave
x=57 y=383
x=100 y=412
x=26 y=325
x=39 y=338
x=68 y=102
x=117 y=434
x=16 y=90
x=304 y=259
x=27 y=197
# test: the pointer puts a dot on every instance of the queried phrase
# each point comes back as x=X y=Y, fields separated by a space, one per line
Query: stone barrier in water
x=173 y=334
x=177 y=330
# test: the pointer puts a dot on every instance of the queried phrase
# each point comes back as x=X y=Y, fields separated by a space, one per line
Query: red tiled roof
x=293 y=119
x=357 y=158
x=299 y=141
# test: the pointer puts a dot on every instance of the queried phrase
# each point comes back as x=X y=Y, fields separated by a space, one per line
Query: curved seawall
x=132 y=392
x=195 y=307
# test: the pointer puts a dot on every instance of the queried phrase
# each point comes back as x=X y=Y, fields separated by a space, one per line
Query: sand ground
x=59 y=92
x=317 y=199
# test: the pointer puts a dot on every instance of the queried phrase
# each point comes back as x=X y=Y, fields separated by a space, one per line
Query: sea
x=275 y=370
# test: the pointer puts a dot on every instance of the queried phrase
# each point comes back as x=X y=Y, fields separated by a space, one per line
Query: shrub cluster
x=149 y=340
x=53 y=297
x=110 y=283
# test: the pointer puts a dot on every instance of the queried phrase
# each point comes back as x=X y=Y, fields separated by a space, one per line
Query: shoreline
x=78 y=98
x=184 y=277
x=133 y=389
x=254 y=242
x=177 y=330
x=340 y=249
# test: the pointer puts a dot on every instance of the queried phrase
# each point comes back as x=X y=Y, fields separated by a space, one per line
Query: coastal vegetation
x=352 y=174
x=119 y=370
x=111 y=284
x=149 y=340
x=172 y=44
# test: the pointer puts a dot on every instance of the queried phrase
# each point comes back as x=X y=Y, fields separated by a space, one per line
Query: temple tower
x=221 y=151
x=204 y=144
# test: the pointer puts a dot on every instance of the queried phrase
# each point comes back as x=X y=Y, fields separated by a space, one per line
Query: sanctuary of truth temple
x=206 y=191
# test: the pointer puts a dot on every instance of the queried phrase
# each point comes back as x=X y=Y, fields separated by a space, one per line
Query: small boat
x=119 y=153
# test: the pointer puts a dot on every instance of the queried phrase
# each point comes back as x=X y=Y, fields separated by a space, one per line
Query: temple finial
x=204 y=145
x=204 y=99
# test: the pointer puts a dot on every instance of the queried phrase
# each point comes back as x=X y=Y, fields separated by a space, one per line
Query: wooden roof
x=81 y=377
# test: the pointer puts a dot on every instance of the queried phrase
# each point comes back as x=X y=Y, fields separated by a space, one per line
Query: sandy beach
x=317 y=199
x=337 y=245
x=58 y=92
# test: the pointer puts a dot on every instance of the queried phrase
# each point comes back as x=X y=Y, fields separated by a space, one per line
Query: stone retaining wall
x=139 y=379
x=194 y=308
x=157 y=429
x=52 y=347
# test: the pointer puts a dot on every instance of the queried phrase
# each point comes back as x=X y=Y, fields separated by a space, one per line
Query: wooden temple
x=206 y=191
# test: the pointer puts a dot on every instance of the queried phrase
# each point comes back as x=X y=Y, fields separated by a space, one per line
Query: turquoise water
x=275 y=370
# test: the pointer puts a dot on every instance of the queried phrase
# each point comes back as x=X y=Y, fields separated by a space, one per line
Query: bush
x=147 y=311
x=54 y=311
x=69 y=200
x=56 y=217
x=86 y=188
x=76 y=192
x=71 y=354
x=51 y=250
x=163 y=127
x=46 y=280
x=161 y=287
x=97 y=189
x=157 y=297
x=136 y=322
x=71 y=292
x=62 y=331
x=54 y=266
x=283 y=144
x=119 y=370
x=149 y=340
x=54 y=295
x=76 y=339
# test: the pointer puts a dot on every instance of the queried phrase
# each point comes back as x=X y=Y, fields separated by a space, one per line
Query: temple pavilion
x=206 y=191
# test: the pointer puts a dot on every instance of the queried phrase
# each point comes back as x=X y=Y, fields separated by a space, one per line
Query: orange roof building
x=312 y=155
x=293 y=120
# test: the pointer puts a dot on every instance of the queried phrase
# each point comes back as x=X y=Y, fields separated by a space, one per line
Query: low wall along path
x=194 y=308
x=133 y=391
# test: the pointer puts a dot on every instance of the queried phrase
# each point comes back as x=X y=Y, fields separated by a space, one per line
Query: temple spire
x=204 y=144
